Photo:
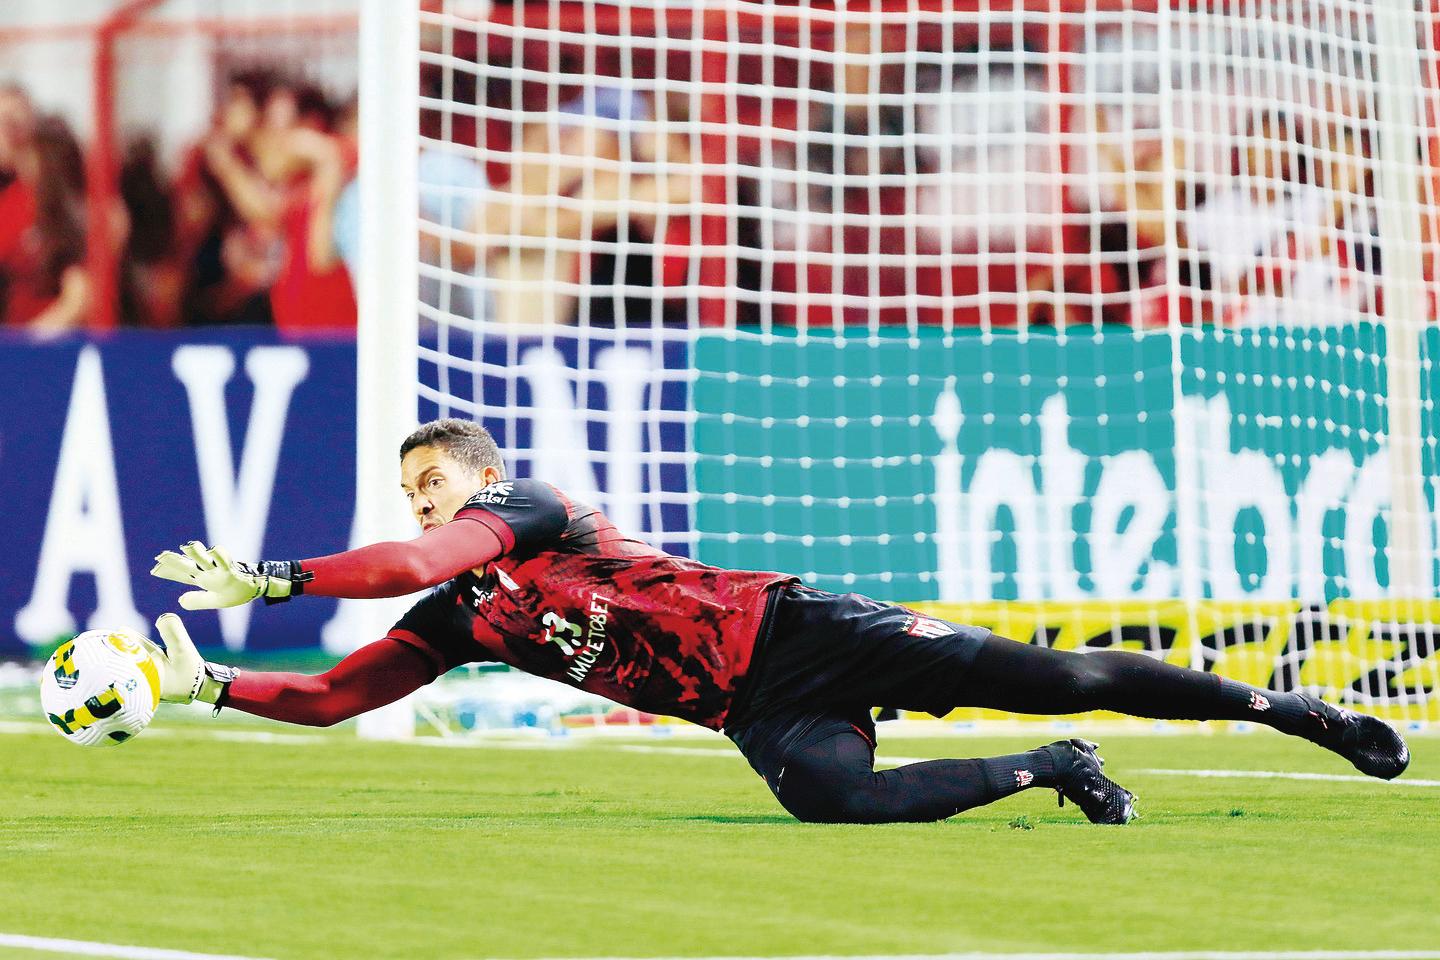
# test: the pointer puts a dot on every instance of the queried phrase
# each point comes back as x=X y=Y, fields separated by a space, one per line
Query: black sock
x=1017 y=771
x=1285 y=712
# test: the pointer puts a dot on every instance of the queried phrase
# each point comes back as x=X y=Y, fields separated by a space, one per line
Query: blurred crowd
x=872 y=191
x=242 y=232
x=43 y=279
x=969 y=192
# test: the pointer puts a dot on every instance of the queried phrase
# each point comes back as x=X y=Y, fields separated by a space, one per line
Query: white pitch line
x=1151 y=771
x=1284 y=775
x=34 y=727
x=89 y=949
x=677 y=751
x=264 y=736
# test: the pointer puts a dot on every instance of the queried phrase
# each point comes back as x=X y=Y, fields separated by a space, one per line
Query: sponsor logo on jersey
x=561 y=632
x=482 y=597
x=487 y=595
x=498 y=493
x=928 y=627
x=581 y=645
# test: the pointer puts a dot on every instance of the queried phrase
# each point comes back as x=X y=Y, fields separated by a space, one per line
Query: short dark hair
x=465 y=440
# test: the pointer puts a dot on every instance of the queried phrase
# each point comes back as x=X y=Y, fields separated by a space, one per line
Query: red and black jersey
x=573 y=599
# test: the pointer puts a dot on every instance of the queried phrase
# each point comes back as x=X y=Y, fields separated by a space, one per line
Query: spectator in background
x=1122 y=280
x=313 y=292
x=512 y=240
x=16 y=125
x=231 y=265
x=570 y=181
x=643 y=251
x=152 y=282
x=452 y=185
x=281 y=170
x=17 y=203
x=563 y=189
x=1290 y=226
x=850 y=192
x=17 y=119
x=47 y=287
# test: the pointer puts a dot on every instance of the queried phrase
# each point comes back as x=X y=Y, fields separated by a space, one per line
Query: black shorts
x=823 y=660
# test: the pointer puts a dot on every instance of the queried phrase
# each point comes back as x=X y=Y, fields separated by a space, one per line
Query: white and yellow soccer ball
x=101 y=688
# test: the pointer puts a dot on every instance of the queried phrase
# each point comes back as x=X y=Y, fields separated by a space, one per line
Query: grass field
x=333 y=847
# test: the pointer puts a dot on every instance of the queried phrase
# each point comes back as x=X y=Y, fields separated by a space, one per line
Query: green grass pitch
x=344 y=848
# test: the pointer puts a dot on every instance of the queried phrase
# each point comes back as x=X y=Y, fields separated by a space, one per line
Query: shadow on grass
x=753 y=818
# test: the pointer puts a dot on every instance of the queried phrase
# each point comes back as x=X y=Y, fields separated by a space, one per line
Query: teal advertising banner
x=969 y=466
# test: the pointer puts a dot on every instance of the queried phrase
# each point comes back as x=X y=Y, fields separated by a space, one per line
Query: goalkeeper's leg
x=1024 y=678
x=821 y=767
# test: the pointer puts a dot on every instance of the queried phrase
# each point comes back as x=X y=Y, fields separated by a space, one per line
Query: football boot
x=1371 y=744
x=1101 y=799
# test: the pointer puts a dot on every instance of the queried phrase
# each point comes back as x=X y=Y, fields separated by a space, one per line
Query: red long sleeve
x=376 y=674
x=394 y=569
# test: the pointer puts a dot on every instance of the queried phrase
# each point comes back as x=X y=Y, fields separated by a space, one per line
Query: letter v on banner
x=237 y=503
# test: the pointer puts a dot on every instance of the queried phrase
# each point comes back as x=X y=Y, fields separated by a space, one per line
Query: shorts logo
x=497 y=493
x=928 y=627
x=1023 y=778
x=1258 y=702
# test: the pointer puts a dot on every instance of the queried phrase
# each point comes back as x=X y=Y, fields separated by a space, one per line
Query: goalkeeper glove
x=227 y=583
x=184 y=676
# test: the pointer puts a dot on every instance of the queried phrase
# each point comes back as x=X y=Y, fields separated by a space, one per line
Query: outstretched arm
x=391 y=569
x=376 y=674
x=397 y=568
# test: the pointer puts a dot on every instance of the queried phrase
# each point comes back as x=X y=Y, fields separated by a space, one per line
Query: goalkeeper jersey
x=573 y=599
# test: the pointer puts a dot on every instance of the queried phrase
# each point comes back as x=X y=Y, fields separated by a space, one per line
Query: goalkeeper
x=525 y=576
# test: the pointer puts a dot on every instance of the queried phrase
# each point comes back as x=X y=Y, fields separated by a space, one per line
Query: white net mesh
x=1048 y=315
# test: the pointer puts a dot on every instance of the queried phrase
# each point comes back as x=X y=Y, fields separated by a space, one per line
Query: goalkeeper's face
x=437 y=484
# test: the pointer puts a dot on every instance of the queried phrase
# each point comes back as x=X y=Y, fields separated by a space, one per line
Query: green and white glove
x=184 y=675
x=224 y=582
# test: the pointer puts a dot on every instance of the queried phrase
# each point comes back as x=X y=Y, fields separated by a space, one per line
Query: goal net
x=1103 y=324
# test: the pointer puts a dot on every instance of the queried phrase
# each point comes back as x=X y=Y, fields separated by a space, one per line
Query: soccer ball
x=101 y=688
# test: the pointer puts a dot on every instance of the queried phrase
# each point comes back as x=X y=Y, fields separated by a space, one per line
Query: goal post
x=1400 y=72
x=1106 y=324
x=387 y=333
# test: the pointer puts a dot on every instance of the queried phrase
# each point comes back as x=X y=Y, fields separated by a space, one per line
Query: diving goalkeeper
x=526 y=576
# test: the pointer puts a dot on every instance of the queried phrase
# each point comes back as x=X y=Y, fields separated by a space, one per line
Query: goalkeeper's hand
x=184 y=676
x=224 y=582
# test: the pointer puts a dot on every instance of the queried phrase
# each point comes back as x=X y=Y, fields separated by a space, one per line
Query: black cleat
x=1370 y=743
x=1101 y=799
